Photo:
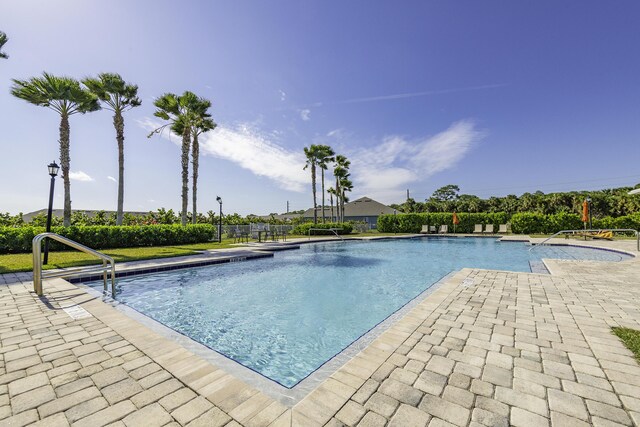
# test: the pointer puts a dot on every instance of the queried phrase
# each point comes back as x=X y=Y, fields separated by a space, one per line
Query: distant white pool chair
x=432 y=229
x=477 y=229
x=444 y=229
x=425 y=229
x=504 y=229
x=488 y=229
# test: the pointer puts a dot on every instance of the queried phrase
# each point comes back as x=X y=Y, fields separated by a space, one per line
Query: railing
x=613 y=230
x=38 y=274
x=334 y=230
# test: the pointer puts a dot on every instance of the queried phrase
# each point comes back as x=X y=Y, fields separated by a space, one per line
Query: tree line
x=320 y=157
x=613 y=202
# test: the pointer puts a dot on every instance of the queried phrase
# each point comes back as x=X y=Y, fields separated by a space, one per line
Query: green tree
x=446 y=193
x=313 y=153
x=117 y=96
x=65 y=96
x=325 y=157
x=340 y=172
x=179 y=112
x=3 y=40
x=331 y=192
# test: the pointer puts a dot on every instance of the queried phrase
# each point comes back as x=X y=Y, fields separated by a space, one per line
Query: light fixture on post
x=53 y=172
x=219 y=200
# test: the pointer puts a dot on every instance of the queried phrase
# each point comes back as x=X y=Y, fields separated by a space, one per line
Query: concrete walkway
x=487 y=348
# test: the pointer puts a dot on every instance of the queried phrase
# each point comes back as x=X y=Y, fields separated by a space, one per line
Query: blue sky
x=498 y=97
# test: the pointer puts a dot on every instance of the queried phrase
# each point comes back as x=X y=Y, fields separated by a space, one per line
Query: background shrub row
x=344 y=228
x=15 y=240
x=521 y=223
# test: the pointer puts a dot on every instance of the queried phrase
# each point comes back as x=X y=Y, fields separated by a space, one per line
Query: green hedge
x=521 y=223
x=15 y=240
x=412 y=223
x=344 y=228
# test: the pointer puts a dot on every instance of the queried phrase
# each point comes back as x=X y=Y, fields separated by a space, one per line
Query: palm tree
x=324 y=158
x=345 y=186
x=65 y=96
x=179 y=111
x=201 y=122
x=331 y=192
x=313 y=153
x=3 y=39
x=117 y=96
x=340 y=171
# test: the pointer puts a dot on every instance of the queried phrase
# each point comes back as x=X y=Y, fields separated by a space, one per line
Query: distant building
x=90 y=213
x=363 y=209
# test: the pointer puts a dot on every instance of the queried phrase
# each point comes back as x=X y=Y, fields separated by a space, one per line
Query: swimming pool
x=284 y=317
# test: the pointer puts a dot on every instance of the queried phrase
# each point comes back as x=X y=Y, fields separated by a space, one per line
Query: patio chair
x=432 y=229
x=425 y=229
x=444 y=229
x=488 y=228
x=477 y=229
x=503 y=229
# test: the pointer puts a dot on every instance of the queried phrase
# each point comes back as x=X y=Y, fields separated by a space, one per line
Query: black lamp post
x=53 y=171
x=219 y=200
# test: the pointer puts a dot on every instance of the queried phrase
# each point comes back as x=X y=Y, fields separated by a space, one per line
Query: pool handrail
x=334 y=230
x=613 y=230
x=38 y=274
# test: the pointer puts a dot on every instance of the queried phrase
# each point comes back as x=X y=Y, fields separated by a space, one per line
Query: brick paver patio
x=487 y=348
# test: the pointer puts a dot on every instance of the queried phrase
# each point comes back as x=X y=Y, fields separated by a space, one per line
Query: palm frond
x=3 y=40
x=63 y=94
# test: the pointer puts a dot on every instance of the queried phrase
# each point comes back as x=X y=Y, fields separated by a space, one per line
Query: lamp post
x=53 y=172
x=219 y=200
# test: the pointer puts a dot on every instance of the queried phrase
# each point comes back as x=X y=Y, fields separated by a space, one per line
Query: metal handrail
x=335 y=231
x=38 y=274
x=622 y=230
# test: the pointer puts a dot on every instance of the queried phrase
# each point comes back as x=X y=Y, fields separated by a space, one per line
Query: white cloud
x=283 y=95
x=80 y=176
x=256 y=151
x=110 y=178
x=381 y=171
x=386 y=169
x=305 y=115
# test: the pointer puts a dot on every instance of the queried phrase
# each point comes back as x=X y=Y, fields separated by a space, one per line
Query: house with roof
x=363 y=209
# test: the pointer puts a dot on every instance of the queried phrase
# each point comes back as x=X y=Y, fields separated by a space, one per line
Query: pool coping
x=216 y=383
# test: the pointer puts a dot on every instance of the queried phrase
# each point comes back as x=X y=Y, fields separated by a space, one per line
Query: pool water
x=284 y=317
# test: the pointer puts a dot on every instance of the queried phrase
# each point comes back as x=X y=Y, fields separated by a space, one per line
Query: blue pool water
x=286 y=316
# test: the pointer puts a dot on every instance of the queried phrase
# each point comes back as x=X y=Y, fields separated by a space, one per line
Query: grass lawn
x=11 y=263
x=630 y=338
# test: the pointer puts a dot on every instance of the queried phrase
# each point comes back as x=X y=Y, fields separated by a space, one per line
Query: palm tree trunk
x=64 y=165
x=186 y=141
x=337 y=200
x=313 y=188
x=323 y=218
x=331 y=201
x=195 y=154
x=118 y=123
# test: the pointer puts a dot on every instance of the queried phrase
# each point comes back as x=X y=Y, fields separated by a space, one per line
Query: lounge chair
x=488 y=228
x=444 y=229
x=504 y=229
x=478 y=228
x=432 y=229
x=425 y=229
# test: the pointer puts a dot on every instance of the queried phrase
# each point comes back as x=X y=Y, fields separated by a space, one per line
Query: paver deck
x=487 y=348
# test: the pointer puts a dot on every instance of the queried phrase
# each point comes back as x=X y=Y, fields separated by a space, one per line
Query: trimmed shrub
x=344 y=228
x=15 y=240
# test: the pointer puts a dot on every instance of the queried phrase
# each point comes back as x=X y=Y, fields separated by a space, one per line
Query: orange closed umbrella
x=456 y=221
x=585 y=212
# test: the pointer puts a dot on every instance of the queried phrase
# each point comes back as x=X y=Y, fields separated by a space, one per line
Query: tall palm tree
x=325 y=157
x=65 y=96
x=179 y=112
x=201 y=122
x=313 y=153
x=117 y=96
x=345 y=186
x=340 y=171
x=3 y=40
